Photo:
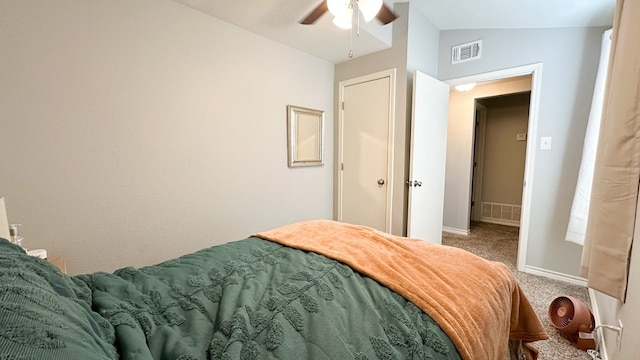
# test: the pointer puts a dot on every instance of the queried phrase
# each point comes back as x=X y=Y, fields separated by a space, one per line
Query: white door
x=365 y=127
x=428 y=157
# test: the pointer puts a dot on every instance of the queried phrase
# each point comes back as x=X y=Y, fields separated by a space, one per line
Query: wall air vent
x=505 y=214
x=466 y=52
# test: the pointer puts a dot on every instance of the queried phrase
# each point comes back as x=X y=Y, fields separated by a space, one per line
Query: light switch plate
x=545 y=143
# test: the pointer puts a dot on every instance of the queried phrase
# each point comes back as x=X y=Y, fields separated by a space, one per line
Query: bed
x=310 y=290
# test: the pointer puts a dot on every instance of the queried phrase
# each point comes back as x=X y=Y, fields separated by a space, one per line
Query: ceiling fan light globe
x=342 y=22
x=465 y=87
x=340 y=8
x=369 y=8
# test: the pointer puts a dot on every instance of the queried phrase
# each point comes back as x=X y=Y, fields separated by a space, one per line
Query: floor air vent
x=506 y=214
x=466 y=52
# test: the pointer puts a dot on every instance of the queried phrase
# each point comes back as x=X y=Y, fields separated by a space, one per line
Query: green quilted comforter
x=249 y=299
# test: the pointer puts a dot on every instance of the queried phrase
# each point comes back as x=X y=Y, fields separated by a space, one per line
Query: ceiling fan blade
x=385 y=15
x=315 y=14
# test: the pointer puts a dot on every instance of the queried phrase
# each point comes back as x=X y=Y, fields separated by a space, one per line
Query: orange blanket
x=478 y=303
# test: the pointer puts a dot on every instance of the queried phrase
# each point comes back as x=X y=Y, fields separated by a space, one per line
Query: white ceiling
x=278 y=20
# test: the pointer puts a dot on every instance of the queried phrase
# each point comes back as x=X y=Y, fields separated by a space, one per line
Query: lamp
x=369 y=8
x=343 y=22
x=342 y=10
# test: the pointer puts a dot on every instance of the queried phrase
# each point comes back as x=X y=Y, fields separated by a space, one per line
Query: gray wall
x=570 y=59
x=136 y=131
x=415 y=47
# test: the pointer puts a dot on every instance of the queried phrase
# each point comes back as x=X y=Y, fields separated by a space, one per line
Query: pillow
x=45 y=314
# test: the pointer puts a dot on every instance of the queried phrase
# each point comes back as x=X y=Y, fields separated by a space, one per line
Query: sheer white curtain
x=580 y=209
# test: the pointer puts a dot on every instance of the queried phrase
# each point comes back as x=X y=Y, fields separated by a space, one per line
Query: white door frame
x=478 y=161
x=391 y=74
x=535 y=70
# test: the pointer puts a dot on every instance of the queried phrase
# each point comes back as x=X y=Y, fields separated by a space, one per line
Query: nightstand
x=59 y=262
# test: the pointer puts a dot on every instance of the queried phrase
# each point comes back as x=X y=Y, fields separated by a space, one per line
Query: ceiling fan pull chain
x=357 y=12
x=350 y=43
x=357 y=15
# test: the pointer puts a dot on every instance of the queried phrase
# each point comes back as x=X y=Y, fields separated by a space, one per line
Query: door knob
x=380 y=181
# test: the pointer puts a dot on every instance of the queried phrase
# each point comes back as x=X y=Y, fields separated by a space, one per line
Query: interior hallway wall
x=504 y=154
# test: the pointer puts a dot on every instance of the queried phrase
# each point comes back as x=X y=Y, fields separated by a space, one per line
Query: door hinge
x=342 y=105
x=342 y=166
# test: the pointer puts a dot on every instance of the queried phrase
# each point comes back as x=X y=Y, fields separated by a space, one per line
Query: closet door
x=365 y=151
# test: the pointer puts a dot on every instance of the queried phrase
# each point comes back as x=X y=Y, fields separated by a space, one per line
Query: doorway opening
x=499 y=157
x=463 y=189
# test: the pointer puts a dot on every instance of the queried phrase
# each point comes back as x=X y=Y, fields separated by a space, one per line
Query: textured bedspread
x=477 y=302
x=250 y=299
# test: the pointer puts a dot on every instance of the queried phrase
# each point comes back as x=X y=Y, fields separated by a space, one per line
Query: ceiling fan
x=342 y=10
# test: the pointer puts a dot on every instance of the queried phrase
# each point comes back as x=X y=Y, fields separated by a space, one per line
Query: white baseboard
x=501 y=222
x=456 y=231
x=571 y=279
x=602 y=348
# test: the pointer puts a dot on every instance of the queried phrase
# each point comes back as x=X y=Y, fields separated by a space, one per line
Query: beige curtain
x=610 y=226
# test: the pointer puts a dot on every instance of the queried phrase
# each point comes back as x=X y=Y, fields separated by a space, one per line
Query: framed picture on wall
x=305 y=129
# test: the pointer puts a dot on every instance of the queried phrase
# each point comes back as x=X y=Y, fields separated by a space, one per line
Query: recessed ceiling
x=278 y=20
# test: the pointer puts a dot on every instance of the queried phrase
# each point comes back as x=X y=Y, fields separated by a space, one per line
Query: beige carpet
x=500 y=243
